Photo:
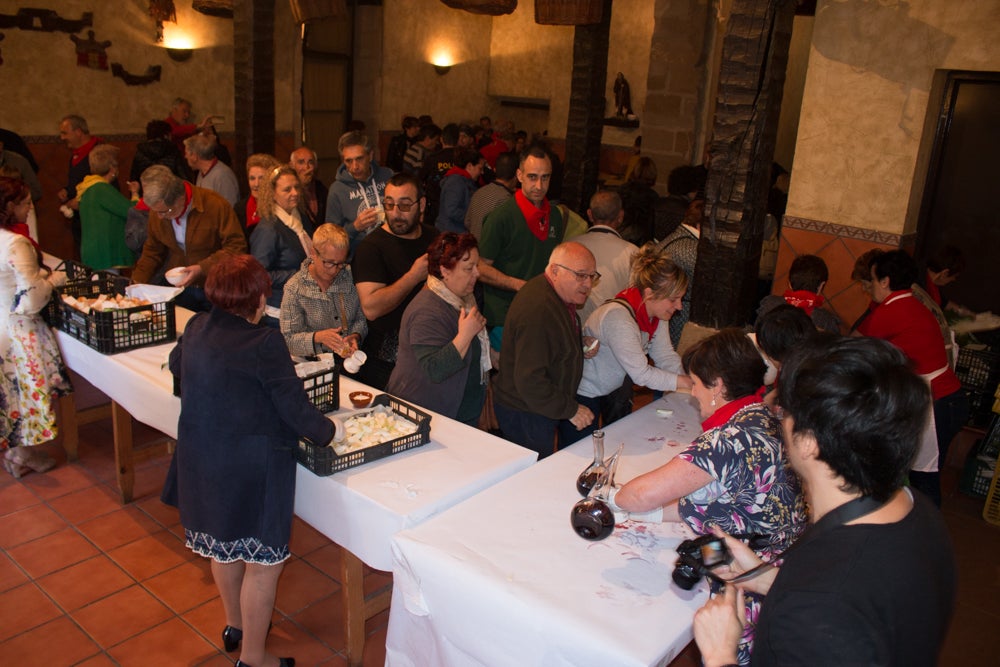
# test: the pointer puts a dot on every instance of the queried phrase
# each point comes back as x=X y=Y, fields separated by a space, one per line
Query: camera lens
x=685 y=576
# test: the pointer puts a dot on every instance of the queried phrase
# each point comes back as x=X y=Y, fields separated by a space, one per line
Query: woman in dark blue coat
x=233 y=474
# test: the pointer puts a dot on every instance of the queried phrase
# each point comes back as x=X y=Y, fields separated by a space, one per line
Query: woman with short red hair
x=243 y=410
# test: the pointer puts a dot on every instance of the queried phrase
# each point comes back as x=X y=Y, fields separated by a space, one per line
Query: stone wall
x=865 y=100
x=674 y=82
x=856 y=181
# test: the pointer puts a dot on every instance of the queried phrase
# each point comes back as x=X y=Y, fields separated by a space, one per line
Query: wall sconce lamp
x=179 y=54
x=442 y=69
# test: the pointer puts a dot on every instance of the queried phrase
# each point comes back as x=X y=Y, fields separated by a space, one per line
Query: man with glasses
x=518 y=237
x=390 y=267
x=320 y=311
x=188 y=227
x=542 y=361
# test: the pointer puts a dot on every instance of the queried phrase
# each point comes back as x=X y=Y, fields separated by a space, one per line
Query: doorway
x=958 y=207
x=327 y=63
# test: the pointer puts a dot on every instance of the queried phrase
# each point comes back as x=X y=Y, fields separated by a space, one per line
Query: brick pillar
x=673 y=84
x=585 y=124
x=253 y=73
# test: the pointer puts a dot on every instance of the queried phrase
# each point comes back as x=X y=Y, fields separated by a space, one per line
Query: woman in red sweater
x=898 y=317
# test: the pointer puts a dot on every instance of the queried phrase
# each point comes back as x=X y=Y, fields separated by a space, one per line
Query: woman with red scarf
x=259 y=166
x=32 y=373
x=898 y=317
x=632 y=329
x=733 y=475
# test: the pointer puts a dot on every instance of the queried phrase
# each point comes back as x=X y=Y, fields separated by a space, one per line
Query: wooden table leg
x=126 y=454
x=69 y=427
x=358 y=608
x=121 y=420
x=71 y=419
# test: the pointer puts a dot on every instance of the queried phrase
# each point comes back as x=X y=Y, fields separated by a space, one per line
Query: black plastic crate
x=323 y=389
x=978 y=369
x=325 y=461
x=110 y=331
x=980 y=466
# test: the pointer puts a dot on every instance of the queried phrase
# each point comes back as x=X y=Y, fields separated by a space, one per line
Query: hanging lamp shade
x=304 y=11
x=568 y=12
x=222 y=9
x=489 y=7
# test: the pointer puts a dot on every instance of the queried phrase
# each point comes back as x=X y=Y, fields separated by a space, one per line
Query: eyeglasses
x=169 y=211
x=403 y=206
x=581 y=276
x=330 y=264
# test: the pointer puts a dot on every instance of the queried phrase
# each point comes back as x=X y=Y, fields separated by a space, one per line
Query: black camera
x=696 y=559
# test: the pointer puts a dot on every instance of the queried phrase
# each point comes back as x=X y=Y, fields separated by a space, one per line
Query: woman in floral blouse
x=32 y=374
x=733 y=475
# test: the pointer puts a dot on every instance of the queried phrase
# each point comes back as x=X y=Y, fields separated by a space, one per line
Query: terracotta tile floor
x=85 y=581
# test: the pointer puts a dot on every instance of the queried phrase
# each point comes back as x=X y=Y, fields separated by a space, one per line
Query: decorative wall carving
x=45 y=20
x=152 y=75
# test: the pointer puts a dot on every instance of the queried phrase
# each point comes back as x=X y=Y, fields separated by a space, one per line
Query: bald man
x=305 y=162
x=542 y=359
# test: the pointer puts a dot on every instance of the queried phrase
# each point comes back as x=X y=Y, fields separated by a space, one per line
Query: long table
x=502 y=579
x=360 y=508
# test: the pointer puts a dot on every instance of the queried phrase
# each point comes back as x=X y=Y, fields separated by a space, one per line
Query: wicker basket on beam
x=489 y=7
x=568 y=12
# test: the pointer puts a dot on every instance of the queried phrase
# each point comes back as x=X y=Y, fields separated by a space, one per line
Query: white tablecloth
x=502 y=579
x=362 y=508
x=134 y=379
x=359 y=509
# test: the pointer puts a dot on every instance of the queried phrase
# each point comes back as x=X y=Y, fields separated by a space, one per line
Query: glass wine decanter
x=591 y=476
x=592 y=518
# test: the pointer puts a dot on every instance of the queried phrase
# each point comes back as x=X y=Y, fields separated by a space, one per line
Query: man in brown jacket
x=189 y=227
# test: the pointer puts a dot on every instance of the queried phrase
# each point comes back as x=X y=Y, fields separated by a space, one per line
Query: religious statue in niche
x=91 y=53
x=623 y=98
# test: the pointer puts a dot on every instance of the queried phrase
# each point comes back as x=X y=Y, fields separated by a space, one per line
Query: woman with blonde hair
x=281 y=240
x=632 y=329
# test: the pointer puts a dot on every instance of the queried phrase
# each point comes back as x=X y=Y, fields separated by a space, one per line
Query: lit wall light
x=442 y=60
x=179 y=46
x=179 y=55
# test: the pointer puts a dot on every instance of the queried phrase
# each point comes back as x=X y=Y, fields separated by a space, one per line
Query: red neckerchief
x=804 y=299
x=723 y=414
x=22 y=229
x=187 y=202
x=252 y=217
x=932 y=289
x=646 y=323
x=215 y=161
x=537 y=218
x=142 y=205
x=460 y=171
x=84 y=150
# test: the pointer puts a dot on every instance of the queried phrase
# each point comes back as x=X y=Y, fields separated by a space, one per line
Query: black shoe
x=285 y=662
x=231 y=638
